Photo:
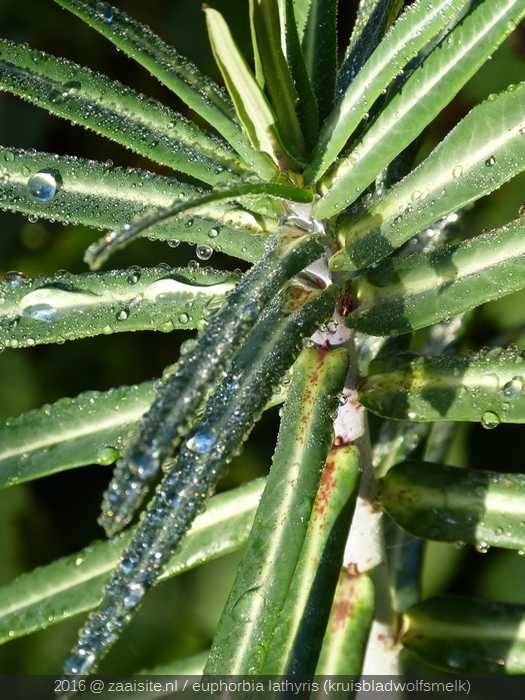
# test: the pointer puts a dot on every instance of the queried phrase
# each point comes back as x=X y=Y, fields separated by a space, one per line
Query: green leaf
x=187 y=666
x=262 y=583
x=488 y=386
x=416 y=291
x=181 y=76
x=371 y=22
x=319 y=44
x=428 y=90
x=485 y=150
x=98 y=252
x=117 y=112
x=467 y=635
x=346 y=636
x=105 y=197
x=89 y=429
x=266 y=27
x=251 y=106
x=413 y=30
x=296 y=640
x=448 y=504
x=76 y=583
x=306 y=100
x=301 y=10
x=67 y=307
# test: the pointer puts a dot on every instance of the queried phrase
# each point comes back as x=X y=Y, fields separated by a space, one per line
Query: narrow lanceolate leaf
x=77 y=191
x=301 y=10
x=89 y=429
x=75 y=583
x=412 y=292
x=307 y=109
x=346 y=636
x=296 y=640
x=201 y=461
x=251 y=106
x=467 y=635
x=99 y=252
x=181 y=76
x=262 y=584
x=67 y=307
x=488 y=386
x=184 y=391
x=266 y=27
x=372 y=21
x=485 y=150
x=412 y=31
x=443 y=503
x=428 y=90
x=117 y=112
x=320 y=51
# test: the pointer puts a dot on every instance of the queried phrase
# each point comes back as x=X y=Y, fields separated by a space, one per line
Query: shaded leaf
x=319 y=44
x=487 y=386
x=467 y=635
x=412 y=292
x=448 y=504
x=413 y=30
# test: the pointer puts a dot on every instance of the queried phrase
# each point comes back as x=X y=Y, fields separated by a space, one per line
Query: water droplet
x=513 y=388
x=43 y=185
x=490 y=162
x=80 y=663
x=183 y=318
x=134 y=595
x=204 y=252
x=107 y=12
x=78 y=561
x=482 y=547
x=490 y=420
x=213 y=233
x=134 y=276
x=71 y=87
x=457 y=171
x=123 y=315
x=243 y=608
x=14 y=279
x=107 y=455
x=201 y=442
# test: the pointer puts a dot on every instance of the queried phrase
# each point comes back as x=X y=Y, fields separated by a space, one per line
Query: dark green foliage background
x=57 y=515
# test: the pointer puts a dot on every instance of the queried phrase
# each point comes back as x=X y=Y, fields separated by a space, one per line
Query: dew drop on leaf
x=201 y=442
x=490 y=420
x=490 y=162
x=204 y=252
x=43 y=186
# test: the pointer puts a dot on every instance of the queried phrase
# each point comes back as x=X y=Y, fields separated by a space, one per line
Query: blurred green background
x=57 y=515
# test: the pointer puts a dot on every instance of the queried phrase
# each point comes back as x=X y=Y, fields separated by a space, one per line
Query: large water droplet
x=43 y=185
x=490 y=162
x=204 y=252
x=134 y=595
x=490 y=420
x=513 y=388
x=106 y=11
x=243 y=609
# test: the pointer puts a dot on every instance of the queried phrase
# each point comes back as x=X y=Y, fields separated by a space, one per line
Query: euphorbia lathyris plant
x=309 y=170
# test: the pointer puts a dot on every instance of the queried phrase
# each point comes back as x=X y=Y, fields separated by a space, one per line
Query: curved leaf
x=296 y=641
x=413 y=30
x=266 y=28
x=100 y=195
x=467 y=635
x=428 y=90
x=67 y=307
x=437 y=502
x=115 y=111
x=487 y=386
x=485 y=150
x=89 y=429
x=181 y=76
x=99 y=251
x=251 y=105
x=262 y=583
x=416 y=291
x=75 y=583
x=346 y=636
x=372 y=20
x=319 y=44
